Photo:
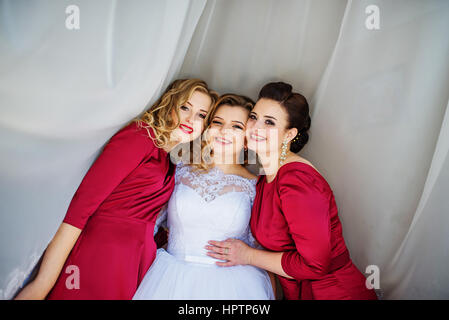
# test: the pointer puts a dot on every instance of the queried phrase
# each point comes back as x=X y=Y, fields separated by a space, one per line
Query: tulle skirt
x=171 y=278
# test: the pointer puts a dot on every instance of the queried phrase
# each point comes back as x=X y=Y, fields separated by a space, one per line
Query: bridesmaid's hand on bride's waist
x=235 y=252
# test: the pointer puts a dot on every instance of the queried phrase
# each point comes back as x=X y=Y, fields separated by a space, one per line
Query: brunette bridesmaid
x=294 y=216
x=105 y=244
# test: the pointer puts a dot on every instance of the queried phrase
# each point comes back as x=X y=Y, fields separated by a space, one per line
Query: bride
x=210 y=203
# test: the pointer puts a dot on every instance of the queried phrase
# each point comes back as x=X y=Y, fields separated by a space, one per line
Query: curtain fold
x=376 y=121
x=379 y=105
x=418 y=270
x=64 y=93
x=377 y=100
x=238 y=45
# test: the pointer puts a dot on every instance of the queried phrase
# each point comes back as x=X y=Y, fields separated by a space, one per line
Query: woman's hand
x=52 y=263
x=236 y=252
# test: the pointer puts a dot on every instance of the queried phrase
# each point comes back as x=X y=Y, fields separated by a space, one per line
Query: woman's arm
x=121 y=155
x=305 y=206
x=267 y=260
x=52 y=263
x=306 y=211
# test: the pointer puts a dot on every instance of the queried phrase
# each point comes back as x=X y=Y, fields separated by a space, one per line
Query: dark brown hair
x=296 y=107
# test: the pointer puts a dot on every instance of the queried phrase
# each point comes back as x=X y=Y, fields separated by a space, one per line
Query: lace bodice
x=214 y=183
x=207 y=206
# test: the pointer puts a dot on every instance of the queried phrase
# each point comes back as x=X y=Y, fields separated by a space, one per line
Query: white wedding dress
x=203 y=207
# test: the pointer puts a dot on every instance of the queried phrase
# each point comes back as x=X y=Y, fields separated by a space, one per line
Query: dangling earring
x=283 y=153
x=284 y=149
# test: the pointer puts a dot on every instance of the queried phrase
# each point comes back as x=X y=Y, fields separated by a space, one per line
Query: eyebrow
x=270 y=117
x=192 y=106
x=231 y=120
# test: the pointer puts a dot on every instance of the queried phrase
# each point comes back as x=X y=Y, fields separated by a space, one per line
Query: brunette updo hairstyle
x=297 y=109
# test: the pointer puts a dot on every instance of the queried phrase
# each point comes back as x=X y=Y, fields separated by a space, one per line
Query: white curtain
x=63 y=94
x=379 y=101
x=377 y=118
x=378 y=98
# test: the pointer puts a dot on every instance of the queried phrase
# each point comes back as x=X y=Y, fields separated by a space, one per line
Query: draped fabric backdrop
x=379 y=105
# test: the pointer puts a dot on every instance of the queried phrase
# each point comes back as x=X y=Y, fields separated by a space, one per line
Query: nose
x=222 y=130
x=249 y=125
x=189 y=118
x=256 y=126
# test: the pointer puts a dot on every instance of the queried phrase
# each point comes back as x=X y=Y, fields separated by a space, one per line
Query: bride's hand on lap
x=233 y=251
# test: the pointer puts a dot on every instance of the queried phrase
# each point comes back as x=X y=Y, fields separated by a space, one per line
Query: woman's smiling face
x=227 y=131
x=192 y=115
x=266 y=126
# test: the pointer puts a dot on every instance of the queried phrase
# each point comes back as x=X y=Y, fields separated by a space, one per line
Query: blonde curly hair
x=159 y=116
x=206 y=153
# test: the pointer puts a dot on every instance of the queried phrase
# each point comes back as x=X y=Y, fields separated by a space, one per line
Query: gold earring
x=283 y=153
x=296 y=138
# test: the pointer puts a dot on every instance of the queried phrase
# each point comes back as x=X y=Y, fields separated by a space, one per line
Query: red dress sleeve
x=121 y=155
x=306 y=210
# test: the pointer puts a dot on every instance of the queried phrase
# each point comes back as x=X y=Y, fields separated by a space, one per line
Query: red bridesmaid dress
x=116 y=206
x=296 y=213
